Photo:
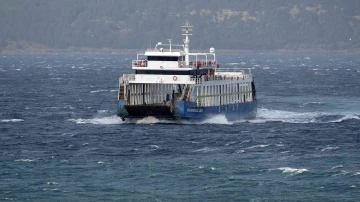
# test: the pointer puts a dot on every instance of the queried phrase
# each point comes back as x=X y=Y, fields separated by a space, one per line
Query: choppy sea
x=60 y=139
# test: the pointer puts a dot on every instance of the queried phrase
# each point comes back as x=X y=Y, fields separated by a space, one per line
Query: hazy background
x=227 y=24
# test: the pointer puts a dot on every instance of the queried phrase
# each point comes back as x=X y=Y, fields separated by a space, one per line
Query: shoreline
x=135 y=51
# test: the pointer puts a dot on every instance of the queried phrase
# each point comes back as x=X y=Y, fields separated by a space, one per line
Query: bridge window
x=163 y=58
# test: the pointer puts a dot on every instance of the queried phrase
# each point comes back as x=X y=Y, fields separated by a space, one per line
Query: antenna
x=170 y=43
x=186 y=28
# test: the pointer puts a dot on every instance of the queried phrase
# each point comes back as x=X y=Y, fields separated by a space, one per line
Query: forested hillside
x=225 y=24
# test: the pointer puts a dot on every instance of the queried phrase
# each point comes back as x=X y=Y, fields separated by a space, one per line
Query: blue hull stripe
x=189 y=110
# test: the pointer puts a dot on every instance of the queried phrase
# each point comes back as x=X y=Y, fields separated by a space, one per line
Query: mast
x=186 y=28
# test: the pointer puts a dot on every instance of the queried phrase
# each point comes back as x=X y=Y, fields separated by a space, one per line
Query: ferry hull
x=188 y=111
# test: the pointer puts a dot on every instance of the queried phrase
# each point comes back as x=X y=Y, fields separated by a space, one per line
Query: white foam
x=99 y=120
x=217 y=119
x=103 y=111
x=148 y=120
x=266 y=115
x=52 y=183
x=154 y=146
x=293 y=171
x=347 y=117
x=329 y=148
x=258 y=146
x=230 y=143
x=335 y=167
x=357 y=173
x=97 y=91
x=24 y=160
x=206 y=149
x=342 y=172
x=11 y=120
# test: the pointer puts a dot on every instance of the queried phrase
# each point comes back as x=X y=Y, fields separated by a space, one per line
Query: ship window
x=164 y=72
x=162 y=58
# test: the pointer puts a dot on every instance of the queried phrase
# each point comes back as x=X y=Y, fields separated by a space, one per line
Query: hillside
x=226 y=24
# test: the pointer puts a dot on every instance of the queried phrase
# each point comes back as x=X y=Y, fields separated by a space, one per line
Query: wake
x=263 y=116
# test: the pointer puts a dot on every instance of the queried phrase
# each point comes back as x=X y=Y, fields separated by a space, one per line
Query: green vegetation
x=226 y=24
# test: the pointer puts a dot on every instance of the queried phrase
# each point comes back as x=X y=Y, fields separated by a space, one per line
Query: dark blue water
x=61 y=141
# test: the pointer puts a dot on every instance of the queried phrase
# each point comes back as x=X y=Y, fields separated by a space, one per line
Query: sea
x=60 y=138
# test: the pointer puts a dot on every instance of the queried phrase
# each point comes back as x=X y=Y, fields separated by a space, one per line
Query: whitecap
x=230 y=143
x=206 y=149
x=329 y=148
x=100 y=162
x=154 y=146
x=102 y=111
x=25 y=160
x=240 y=151
x=347 y=117
x=52 y=183
x=342 y=172
x=266 y=115
x=307 y=58
x=258 y=146
x=245 y=141
x=12 y=120
x=97 y=91
x=357 y=173
x=338 y=166
x=293 y=171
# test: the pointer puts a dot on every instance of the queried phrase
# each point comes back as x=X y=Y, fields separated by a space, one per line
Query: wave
x=206 y=149
x=105 y=117
x=218 y=119
x=292 y=171
x=345 y=118
x=258 y=146
x=24 y=160
x=267 y=115
x=98 y=91
x=11 y=120
x=328 y=148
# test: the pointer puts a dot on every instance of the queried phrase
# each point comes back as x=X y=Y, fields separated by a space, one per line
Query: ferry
x=170 y=82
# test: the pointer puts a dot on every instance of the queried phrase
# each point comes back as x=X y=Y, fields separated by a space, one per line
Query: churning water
x=60 y=139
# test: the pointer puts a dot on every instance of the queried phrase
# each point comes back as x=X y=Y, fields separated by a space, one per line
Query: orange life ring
x=174 y=78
